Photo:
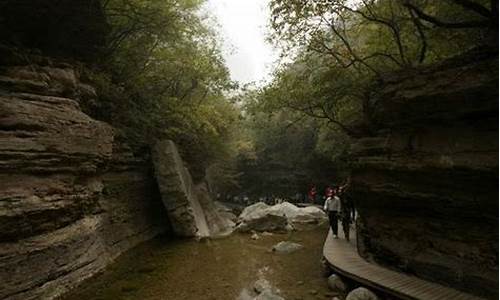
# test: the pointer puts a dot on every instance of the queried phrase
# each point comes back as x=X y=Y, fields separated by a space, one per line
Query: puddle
x=214 y=269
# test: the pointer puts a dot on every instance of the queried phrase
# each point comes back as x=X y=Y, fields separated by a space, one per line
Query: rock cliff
x=72 y=197
x=425 y=182
x=190 y=208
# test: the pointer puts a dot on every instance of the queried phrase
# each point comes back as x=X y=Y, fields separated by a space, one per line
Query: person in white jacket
x=332 y=207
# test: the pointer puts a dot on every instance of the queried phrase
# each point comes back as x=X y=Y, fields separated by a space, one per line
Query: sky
x=243 y=28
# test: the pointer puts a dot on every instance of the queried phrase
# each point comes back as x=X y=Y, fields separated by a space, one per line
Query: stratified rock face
x=190 y=209
x=71 y=197
x=426 y=183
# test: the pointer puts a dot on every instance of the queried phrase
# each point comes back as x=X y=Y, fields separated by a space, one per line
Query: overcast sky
x=243 y=28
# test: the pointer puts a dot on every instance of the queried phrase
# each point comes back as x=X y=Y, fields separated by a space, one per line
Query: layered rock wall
x=425 y=182
x=72 y=198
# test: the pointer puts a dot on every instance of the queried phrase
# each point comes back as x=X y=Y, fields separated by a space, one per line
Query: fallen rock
x=190 y=209
x=300 y=217
x=250 y=210
x=280 y=217
x=286 y=247
x=325 y=268
x=255 y=236
x=268 y=295
x=361 y=293
x=336 y=283
x=313 y=292
x=261 y=285
x=256 y=217
x=225 y=211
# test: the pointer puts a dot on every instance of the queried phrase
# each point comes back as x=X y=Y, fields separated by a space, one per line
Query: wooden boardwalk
x=343 y=258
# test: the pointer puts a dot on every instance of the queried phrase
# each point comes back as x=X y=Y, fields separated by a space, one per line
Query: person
x=312 y=194
x=329 y=191
x=332 y=207
x=345 y=216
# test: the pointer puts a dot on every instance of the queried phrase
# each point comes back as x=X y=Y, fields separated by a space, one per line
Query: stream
x=166 y=268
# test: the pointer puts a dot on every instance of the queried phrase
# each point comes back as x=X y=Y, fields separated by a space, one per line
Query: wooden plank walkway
x=343 y=257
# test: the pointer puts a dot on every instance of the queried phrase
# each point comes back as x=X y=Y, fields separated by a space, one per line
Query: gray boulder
x=299 y=217
x=336 y=283
x=286 y=247
x=268 y=295
x=261 y=285
x=256 y=217
x=361 y=293
x=280 y=217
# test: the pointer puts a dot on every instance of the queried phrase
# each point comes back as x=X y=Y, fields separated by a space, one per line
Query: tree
x=163 y=76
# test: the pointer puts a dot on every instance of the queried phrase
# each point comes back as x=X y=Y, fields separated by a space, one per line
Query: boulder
x=287 y=216
x=261 y=285
x=268 y=295
x=253 y=209
x=225 y=211
x=361 y=293
x=286 y=247
x=256 y=217
x=299 y=215
x=336 y=283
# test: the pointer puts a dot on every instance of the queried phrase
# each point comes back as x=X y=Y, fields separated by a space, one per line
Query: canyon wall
x=425 y=181
x=72 y=197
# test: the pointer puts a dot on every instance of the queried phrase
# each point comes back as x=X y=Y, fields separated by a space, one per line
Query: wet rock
x=268 y=295
x=261 y=285
x=325 y=268
x=361 y=293
x=336 y=283
x=313 y=292
x=225 y=211
x=245 y=294
x=218 y=224
x=286 y=247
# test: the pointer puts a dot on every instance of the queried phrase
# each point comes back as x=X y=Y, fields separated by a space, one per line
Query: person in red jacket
x=312 y=194
x=328 y=192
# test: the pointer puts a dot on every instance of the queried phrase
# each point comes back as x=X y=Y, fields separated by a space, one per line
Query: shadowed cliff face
x=72 y=198
x=426 y=183
x=64 y=28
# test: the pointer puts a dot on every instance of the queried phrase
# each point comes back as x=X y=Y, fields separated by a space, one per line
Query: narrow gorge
x=140 y=158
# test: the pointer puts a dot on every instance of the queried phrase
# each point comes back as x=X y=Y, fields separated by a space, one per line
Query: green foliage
x=164 y=77
x=341 y=47
x=336 y=49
